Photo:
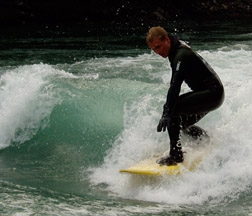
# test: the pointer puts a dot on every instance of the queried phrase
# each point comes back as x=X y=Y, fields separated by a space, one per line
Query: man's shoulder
x=184 y=44
x=184 y=52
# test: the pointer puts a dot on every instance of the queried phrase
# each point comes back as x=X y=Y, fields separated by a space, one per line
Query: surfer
x=181 y=112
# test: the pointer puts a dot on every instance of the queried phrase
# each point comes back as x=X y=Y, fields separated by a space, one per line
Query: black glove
x=164 y=123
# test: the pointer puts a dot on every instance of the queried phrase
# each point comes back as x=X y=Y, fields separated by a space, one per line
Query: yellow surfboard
x=150 y=167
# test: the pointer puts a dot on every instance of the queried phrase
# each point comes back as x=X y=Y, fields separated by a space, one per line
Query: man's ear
x=167 y=38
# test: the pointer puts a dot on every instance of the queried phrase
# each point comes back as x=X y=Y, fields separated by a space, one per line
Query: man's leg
x=190 y=108
x=176 y=155
x=189 y=128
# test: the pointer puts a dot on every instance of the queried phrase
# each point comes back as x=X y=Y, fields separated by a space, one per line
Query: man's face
x=161 y=47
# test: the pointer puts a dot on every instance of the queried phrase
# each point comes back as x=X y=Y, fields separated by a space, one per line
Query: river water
x=78 y=103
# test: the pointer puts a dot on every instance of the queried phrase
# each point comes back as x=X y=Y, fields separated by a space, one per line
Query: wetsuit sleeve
x=175 y=87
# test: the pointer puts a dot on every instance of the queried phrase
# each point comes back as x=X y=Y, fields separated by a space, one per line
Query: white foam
x=26 y=101
x=226 y=170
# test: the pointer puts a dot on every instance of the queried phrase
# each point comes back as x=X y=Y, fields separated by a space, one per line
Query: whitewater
x=68 y=126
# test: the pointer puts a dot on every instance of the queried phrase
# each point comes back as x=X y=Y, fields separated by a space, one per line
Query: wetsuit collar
x=175 y=43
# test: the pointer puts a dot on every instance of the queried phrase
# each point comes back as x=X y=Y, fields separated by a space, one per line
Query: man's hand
x=163 y=124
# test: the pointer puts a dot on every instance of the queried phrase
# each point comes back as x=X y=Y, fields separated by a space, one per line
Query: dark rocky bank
x=130 y=11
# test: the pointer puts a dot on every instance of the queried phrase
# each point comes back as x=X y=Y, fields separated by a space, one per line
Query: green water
x=80 y=102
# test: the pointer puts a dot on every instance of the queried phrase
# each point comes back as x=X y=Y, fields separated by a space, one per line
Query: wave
x=222 y=177
x=99 y=115
x=26 y=102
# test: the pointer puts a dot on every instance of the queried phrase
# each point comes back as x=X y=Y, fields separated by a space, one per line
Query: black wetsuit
x=207 y=90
